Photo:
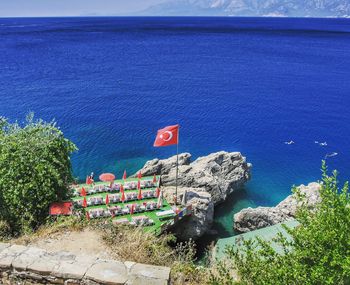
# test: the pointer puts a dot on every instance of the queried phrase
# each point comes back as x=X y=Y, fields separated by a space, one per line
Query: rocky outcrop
x=163 y=166
x=252 y=219
x=203 y=212
x=30 y=265
x=219 y=174
x=208 y=181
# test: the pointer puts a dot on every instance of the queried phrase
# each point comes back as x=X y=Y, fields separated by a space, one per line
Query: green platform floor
x=158 y=223
x=266 y=234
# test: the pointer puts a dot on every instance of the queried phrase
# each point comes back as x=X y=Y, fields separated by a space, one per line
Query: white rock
x=251 y=219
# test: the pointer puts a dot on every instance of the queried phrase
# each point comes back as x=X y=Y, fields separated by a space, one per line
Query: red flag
x=83 y=192
x=107 y=199
x=167 y=136
x=124 y=175
x=139 y=175
x=154 y=178
x=84 y=203
x=88 y=216
x=157 y=192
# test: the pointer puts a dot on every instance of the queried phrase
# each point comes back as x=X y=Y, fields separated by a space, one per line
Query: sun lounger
x=125 y=211
x=121 y=221
x=165 y=213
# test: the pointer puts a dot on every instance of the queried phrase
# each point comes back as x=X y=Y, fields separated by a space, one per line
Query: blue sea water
x=234 y=84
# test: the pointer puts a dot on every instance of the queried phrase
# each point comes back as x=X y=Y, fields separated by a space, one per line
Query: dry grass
x=58 y=225
x=131 y=244
x=136 y=245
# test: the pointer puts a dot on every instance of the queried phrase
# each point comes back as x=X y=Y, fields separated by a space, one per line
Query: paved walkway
x=22 y=262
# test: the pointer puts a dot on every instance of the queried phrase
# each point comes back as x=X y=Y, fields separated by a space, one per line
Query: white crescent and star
x=169 y=138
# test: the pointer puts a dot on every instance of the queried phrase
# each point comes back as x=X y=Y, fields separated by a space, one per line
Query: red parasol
x=132 y=209
x=157 y=192
x=139 y=184
x=123 y=194
x=107 y=177
x=139 y=175
x=84 y=203
x=83 y=192
x=88 y=216
x=88 y=180
x=154 y=178
x=139 y=196
x=124 y=175
x=107 y=200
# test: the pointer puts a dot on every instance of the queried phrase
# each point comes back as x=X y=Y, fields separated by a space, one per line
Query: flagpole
x=177 y=164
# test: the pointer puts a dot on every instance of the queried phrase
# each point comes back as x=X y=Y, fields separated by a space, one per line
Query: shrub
x=35 y=170
x=318 y=252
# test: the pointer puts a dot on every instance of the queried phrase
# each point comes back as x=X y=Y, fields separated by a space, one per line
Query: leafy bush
x=4 y=231
x=318 y=253
x=35 y=170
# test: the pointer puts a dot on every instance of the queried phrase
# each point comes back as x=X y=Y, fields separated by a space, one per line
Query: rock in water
x=203 y=212
x=220 y=174
x=208 y=181
x=252 y=219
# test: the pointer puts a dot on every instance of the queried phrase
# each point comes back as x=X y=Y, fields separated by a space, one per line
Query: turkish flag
x=167 y=136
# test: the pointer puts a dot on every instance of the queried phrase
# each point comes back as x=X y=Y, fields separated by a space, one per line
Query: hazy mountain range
x=283 y=8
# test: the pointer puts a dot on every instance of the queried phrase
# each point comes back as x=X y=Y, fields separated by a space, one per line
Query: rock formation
x=252 y=219
x=208 y=181
x=203 y=212
x=219 y=174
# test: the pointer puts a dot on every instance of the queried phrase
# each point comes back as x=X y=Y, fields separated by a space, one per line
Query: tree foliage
x=35 y=170
x=317 y=253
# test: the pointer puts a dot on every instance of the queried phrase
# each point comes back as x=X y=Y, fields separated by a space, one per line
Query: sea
x=275 y=89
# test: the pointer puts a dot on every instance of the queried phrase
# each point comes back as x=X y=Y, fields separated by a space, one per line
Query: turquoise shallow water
x=235 y=84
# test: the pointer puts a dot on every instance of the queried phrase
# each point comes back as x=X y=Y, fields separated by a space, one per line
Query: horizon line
x=172 y=16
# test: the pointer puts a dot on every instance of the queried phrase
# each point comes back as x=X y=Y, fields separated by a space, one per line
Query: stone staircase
x=30 y=265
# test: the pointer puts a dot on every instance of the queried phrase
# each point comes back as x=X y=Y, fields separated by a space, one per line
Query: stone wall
x=30 y=265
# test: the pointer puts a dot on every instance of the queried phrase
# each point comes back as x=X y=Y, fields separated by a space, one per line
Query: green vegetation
x=35 y=170
x=318 y=253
